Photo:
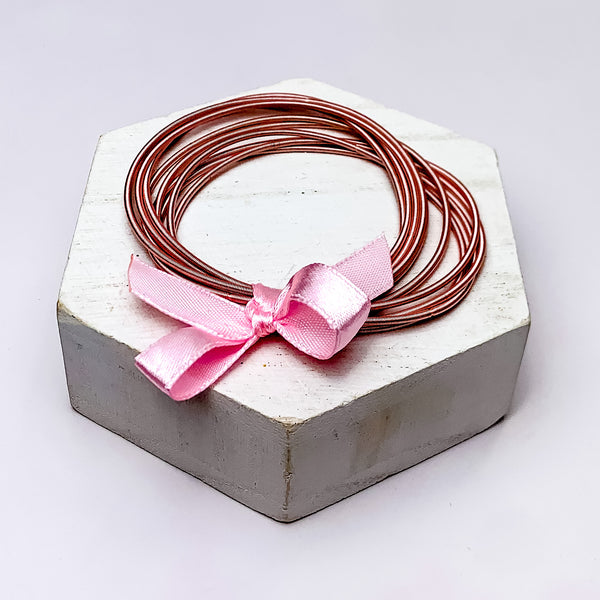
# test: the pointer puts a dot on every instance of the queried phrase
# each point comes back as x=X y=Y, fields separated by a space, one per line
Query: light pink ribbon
x=319 y=311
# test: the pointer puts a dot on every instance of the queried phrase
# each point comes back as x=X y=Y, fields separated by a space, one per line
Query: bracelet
x=169 y=173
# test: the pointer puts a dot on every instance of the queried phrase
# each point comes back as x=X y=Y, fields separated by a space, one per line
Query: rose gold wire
x=169 y=172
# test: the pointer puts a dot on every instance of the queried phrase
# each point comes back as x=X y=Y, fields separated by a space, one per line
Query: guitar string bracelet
x=185 y=156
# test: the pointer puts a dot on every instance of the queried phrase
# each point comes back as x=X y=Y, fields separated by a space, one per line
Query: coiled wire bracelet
x=170 y=171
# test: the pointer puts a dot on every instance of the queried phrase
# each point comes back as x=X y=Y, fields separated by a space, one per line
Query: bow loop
x=322 y=311
x=319 y=311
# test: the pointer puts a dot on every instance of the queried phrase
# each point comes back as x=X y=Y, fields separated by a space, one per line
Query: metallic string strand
x=181 y=159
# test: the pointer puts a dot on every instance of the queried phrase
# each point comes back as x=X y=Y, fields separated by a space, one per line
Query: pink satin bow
x=319 y=311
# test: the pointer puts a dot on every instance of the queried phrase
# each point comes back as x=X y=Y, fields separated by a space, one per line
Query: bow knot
x=261 y=312
x=319 y=311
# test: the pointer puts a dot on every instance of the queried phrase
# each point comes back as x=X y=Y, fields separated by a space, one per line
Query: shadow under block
x=281 y=432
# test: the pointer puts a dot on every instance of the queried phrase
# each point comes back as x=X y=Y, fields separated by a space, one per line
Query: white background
x=511 y=513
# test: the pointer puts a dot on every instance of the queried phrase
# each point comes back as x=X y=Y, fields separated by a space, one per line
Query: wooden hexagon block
x=281 y=432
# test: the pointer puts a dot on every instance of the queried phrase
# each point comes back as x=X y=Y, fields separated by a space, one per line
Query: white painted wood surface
x=281 y=432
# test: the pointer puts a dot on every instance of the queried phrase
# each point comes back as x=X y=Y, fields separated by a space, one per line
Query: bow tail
x=188 y=360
